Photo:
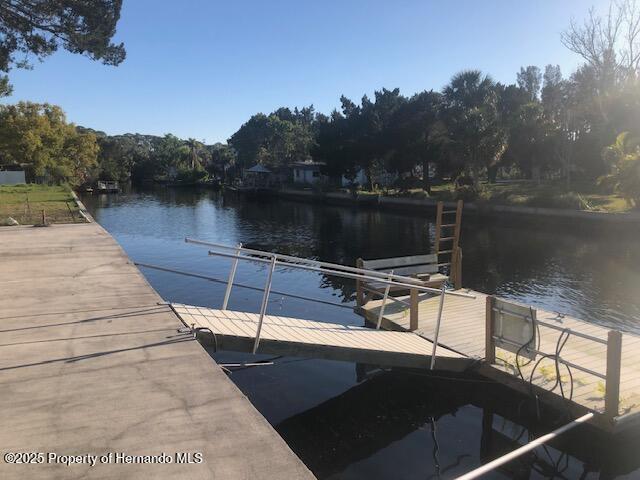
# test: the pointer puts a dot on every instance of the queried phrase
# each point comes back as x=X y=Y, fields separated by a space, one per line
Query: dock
x=92 y=361
x=463 y=330
x=236 y=331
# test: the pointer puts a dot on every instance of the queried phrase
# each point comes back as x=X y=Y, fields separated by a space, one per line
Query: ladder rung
x=445 y=251
x=443 y=239
x=448 y=225
x=450 y=211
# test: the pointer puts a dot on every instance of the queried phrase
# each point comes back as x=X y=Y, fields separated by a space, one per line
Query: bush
x=569 y=200
x=468 y=193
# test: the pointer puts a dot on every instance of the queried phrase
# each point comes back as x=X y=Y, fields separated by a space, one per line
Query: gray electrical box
x=513 y=327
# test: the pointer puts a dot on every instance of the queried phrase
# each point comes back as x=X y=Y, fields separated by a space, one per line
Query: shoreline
x=394 y=203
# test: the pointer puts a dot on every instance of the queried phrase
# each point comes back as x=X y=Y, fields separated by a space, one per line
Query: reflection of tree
x=367 y=418
x=390 y=406
x=332 y=234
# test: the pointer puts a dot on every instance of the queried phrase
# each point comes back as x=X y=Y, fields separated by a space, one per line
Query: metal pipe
x=392 y=298
x=240 y=285
x=437 y=332
x=560 y=359
x=316 y=263
x=346 y=274
x=263 y=307
x=232 y=275
x=524 y=449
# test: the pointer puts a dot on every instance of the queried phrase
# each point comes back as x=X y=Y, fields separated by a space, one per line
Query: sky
x=201 y=68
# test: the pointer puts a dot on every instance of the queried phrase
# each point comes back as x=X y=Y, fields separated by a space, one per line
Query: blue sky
x=202 y=68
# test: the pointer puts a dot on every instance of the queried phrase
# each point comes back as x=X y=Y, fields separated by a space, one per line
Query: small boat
x=107 y=187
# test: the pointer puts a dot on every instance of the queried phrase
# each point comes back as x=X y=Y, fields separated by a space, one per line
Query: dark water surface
x=349 y=421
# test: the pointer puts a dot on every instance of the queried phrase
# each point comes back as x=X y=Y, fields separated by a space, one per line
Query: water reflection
x=343 y=421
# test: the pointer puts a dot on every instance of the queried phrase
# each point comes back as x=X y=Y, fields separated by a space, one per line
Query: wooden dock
x=463 y=330
x=232 y=330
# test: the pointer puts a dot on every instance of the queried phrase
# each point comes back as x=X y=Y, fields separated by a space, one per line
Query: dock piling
x=612 y=386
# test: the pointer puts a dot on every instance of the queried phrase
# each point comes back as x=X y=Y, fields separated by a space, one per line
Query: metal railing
x=239 y=252
x=612 y=361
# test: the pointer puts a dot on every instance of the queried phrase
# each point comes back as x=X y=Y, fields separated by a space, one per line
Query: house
x=259 y=176
x=308 y=172
x=384 y=179
x=12 y=177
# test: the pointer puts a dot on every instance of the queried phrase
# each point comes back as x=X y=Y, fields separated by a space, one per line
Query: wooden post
x=44 y=217
x=413 y=309
x=436 y=243
x=612 y=391
x=489 y=342
x=456 y=268
x=456 y=230
x=359 y=289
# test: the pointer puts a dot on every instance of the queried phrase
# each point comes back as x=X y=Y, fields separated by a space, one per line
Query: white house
x=307 y=172
x=12 y=177
x=384 y=179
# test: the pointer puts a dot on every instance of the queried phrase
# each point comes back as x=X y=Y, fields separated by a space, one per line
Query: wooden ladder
x=453 y=250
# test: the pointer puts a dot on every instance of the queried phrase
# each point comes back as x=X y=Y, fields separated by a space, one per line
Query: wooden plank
x=464 y=331
x=381 y=263
x=298 y=337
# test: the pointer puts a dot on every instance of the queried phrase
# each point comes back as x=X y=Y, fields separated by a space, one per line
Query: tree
x=39 y=28
x=222 y=160
x=609 y=44
x=476 y=136
x=38 y=137
x=623 y=156
x=529 y=80
x=277 y=139
x=417 y=135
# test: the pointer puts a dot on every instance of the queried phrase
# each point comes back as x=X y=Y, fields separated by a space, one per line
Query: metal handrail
x=364 y=275
x=361 y=274
x=317 y=263
x=240 y=285
x=560 y=359
x=553 y=327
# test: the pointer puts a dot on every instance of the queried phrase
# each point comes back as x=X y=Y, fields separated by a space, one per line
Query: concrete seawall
x=412 y=204
x=92 y=363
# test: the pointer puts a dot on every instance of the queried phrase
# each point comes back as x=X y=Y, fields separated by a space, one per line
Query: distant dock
x=93 y=362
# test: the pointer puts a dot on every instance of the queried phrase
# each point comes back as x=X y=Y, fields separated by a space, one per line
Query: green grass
x=581 y=196
x=25 y=203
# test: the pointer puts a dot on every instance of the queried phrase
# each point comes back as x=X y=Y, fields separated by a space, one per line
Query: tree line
x=544 y=126
x=584 y=126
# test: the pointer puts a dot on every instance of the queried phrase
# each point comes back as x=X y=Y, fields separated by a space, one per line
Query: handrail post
x=437 y=332
x=232 y=275
x=384 y=301
x=414 y=309
x=612 y=386
x=359 y=287
x=489 y=341
x=265 y=299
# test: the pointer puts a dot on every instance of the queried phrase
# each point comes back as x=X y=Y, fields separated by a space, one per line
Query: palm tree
x=472 y=118
x=193 y=146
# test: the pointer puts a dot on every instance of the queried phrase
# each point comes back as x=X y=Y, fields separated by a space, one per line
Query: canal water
x=353 y=421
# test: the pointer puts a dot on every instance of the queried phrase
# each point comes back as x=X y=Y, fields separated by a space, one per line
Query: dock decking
x=236 y=331
x=91 y=363
x=463 y=331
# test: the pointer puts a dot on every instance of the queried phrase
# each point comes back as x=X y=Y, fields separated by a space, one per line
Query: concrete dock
x=91 y=363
